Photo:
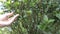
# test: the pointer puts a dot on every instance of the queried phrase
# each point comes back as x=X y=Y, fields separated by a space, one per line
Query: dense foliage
x=36 y=16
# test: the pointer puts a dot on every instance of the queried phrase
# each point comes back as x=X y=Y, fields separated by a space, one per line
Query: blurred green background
x=35 y=16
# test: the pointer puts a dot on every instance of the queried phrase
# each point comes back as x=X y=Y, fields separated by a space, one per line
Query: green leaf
x=29 y=12
x=58 y=15
x=51 y=20
x=45 y=18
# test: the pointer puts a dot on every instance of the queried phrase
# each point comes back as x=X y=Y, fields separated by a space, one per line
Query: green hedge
x=36 y=16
